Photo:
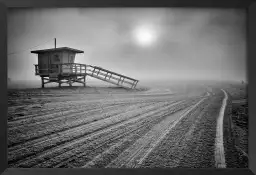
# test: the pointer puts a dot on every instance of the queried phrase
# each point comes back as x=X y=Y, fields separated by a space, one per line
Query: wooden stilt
x=42 y=79
x=70 y=84
x=85 y=81
x=59 y=82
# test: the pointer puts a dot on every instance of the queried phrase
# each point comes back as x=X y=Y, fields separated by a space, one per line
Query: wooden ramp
x=111 y=77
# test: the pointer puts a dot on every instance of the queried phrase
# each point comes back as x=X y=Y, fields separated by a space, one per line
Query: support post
x=36 y=70
x=93 y=71
x=123 y=81
x=84 y=80
x=70 y=84
x=119 y=80
x=42 y=79
x=135 y=84
x=59 y=82
x=59 y=67
x=71 y=69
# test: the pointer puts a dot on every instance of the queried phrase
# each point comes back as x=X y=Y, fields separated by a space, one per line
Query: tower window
x=56 y=58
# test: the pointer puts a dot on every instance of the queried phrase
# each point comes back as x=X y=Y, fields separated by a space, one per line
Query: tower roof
x=57 y=49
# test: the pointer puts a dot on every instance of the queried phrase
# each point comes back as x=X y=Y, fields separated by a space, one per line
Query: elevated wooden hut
x=58 y=65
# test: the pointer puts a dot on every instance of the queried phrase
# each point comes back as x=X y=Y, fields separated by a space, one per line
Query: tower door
x=43 y=63
x=55 y=60
x=71 y=58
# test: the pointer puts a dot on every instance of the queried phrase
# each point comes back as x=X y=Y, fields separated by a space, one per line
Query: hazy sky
x=164 y=43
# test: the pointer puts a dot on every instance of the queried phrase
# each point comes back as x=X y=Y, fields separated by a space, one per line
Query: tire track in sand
x=152 y=120
x=17 y=136
x=72 y=144
x=31 y=147
x=135 y=155
x=86 y=152
x=219 y=146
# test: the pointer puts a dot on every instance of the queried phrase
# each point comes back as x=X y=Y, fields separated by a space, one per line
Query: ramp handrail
x=95 y=71
x=99 y=68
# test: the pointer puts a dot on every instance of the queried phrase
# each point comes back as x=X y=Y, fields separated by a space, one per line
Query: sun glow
x=144 y=35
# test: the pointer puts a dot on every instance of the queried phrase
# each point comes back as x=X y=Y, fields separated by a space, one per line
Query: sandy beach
x=96 y=127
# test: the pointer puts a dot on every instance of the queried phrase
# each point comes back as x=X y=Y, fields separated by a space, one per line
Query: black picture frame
x=250 y=7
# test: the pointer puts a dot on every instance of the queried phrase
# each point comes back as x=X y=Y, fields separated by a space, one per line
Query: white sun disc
x=144 y=36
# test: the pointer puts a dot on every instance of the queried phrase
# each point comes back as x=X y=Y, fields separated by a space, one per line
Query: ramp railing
x=111 y=77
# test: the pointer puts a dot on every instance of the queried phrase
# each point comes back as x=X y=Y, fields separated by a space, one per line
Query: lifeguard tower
x=58 y=65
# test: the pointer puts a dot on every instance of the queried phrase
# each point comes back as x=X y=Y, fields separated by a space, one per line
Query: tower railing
x=62 y=69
